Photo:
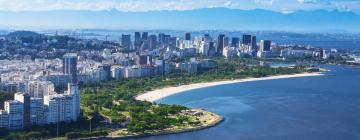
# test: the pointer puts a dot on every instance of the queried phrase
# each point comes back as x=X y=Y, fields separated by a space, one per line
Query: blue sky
x=284 y=6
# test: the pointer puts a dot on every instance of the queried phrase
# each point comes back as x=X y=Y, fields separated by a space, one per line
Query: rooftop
x=70 y=55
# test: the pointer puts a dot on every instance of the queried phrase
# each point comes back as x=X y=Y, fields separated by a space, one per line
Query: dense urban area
x=61 y=86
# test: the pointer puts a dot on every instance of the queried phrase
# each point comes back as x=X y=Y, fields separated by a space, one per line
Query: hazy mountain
x=198 y=19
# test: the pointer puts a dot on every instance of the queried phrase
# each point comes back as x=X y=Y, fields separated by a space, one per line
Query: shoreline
x=161 y=93
x=216 y=120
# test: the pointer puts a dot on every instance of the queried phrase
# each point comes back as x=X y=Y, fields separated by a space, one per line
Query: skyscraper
x=126 y=41
x=253 y=43
x=220 y=43
x=144 y=36
x=235 y=42
x=187 y=36
x=152 y=41
x=246 y=39
x=265 y=45
x=161 y=38
x=167 y=39
x=70 y=66
x=137 y=41
x=212 y=50
x=226 y=42
x=206 y=38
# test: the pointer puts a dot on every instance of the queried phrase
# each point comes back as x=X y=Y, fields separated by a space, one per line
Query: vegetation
x=114 y=102
x=116 y=98
x=4 y=97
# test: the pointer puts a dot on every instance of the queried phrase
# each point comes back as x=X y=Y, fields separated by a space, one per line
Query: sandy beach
x=157 y=94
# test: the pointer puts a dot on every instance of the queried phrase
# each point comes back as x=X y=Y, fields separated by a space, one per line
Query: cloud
x=265 y=2
x=151 y=5
x=122 y=5
x=308 y=1
x=334 y=4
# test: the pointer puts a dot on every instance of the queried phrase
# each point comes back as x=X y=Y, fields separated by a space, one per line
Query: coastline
x=158 y=94
x=215 y=120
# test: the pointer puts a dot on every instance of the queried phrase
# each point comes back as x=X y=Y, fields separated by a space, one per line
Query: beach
x=157 y=94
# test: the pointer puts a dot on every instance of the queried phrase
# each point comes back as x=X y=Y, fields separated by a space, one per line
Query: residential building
x=265 y=45
x=70 y=66
x=15 y=111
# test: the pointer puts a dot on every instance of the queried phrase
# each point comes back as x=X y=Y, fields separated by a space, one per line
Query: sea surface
x=307 y=108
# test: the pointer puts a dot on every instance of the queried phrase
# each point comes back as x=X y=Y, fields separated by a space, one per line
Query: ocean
x=307 y=108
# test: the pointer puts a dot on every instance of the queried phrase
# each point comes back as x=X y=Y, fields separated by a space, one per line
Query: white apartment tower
x=38 y=89
x=73 y=91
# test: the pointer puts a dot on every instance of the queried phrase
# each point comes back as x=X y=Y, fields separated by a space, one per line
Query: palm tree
x=90 y=117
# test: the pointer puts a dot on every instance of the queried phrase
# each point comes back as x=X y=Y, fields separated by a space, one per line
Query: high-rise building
x=39 y=89
x=220 y=43
x=37 y=111
x=161 y=38
x=226 y=42
x=172 y=42
x=117 y=72
x=265 y=45
x=212 y=49
x=143 y=60
x=144 y=36
x=187 y=36
x=152 y=41
x=24 y=110
x=58 y=108
x=4 y=119
x=253 y=43
x=70 y=66
x=126 y=41
x=105 y=72
x=235 y=42
x=206 y=37
x=15 y=111
x=25 y=100
x=137 y=41
x=167 y=39
x=246 y=39
x=73 y=91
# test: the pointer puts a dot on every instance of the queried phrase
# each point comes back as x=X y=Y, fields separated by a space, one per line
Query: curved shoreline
x=212 y=124
x=158 y=94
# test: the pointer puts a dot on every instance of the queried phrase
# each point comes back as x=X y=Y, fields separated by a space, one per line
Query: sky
x=285 y=6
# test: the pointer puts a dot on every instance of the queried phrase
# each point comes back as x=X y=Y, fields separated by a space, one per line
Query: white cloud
x=265 y=2
x=308 y=1
x=147 y=5
x=123 y=5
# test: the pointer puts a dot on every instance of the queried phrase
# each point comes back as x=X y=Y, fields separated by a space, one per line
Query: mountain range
x=197 y=19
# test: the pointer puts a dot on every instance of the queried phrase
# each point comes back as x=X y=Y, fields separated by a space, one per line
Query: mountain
x=23 y=34
x=197 y=19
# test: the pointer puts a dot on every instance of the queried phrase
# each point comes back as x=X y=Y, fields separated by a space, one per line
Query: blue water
x=308 y=108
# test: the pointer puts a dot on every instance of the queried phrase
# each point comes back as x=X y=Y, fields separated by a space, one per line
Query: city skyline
x=38 y=67
x=173 y=69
